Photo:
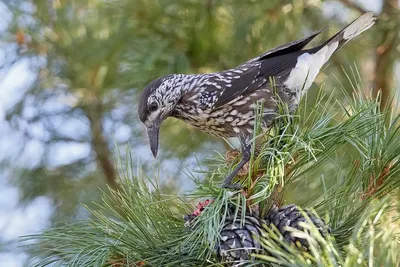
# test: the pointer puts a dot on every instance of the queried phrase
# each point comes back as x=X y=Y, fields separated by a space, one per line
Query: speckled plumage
x=223 y=103
x=204 y=109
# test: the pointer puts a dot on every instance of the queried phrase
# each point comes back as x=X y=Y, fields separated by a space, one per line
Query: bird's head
x=158 y=100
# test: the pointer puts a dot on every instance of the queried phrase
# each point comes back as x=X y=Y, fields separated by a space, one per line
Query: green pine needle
x=350 y=148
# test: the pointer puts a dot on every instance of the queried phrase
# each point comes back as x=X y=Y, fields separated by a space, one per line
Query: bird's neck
x=189 y=82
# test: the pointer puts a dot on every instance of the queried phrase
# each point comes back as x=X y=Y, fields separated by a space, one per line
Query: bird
x=223 y=103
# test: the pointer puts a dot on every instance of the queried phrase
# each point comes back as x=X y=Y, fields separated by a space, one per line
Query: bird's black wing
x=287 y=48
x=256 y=72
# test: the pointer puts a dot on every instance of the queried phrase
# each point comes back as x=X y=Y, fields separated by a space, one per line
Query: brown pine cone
x=291 y=216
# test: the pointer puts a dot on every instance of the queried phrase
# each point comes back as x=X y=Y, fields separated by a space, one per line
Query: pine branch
x=136 y=224
x=350 y=4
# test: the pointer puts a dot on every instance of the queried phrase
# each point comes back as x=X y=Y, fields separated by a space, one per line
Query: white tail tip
x=361 y=24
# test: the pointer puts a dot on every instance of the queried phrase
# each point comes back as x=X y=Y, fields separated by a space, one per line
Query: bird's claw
x=232 y=186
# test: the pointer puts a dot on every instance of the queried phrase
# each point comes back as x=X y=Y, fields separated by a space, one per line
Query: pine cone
x=237 y=241
x=291 y=216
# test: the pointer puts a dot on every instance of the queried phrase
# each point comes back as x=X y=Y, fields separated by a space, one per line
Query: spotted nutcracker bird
x=223 y=103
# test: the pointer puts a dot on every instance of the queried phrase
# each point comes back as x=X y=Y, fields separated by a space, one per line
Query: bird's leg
x=246 y=153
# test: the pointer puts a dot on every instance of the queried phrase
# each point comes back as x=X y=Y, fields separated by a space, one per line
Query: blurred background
x=71 y=72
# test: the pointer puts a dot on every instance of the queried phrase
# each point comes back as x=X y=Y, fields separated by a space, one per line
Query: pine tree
x=96 y=55
x=92 y=58
x=351 y=221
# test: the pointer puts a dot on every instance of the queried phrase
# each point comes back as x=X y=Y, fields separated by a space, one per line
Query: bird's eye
x=153 y=106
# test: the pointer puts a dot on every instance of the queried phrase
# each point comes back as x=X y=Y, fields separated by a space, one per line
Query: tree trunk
x=383 y=61
x=99 y=143
x=383 y=70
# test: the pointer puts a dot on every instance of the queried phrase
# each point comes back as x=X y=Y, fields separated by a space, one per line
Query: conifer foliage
x=351 y=220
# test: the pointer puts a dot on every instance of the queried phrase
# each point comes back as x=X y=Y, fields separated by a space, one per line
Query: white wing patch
x=308 y=66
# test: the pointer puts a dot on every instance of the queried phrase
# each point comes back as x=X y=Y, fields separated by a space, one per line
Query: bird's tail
x=352 y=30
x=311 y=61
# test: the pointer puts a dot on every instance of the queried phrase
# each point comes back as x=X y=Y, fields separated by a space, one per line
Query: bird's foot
x=230 y=157
x=230 y=185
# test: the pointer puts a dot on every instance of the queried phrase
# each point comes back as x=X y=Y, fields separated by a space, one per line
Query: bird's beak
x=152 y=134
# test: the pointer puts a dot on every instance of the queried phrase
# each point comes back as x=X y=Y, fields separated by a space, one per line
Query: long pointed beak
x=152 y=134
